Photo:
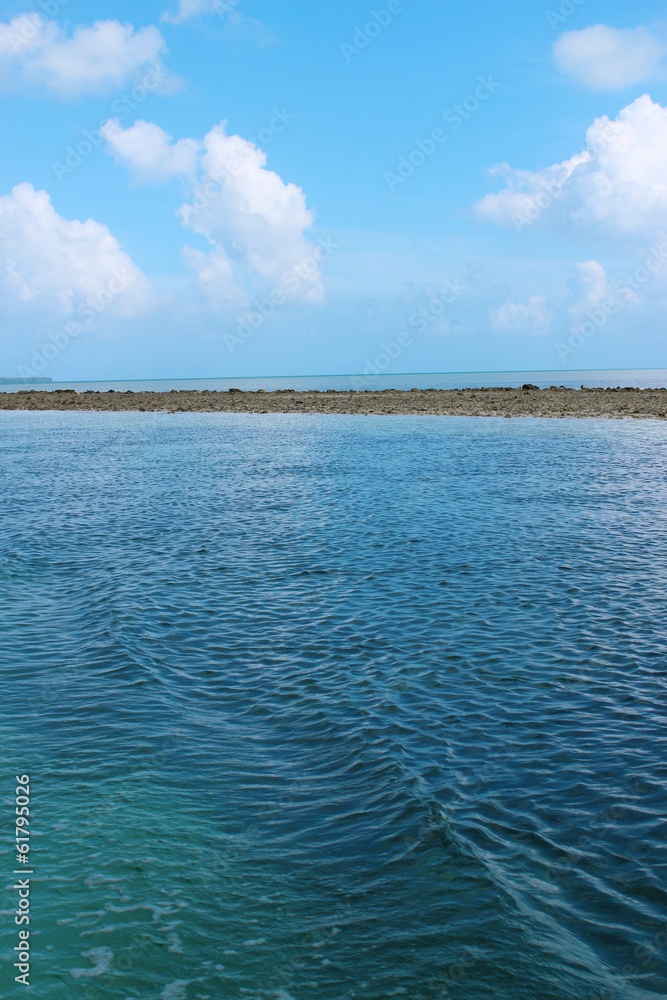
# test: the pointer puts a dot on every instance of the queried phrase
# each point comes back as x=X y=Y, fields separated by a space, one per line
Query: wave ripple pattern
x=341 y=708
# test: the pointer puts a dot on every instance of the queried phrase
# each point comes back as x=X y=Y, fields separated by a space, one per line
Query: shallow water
x=329 y=707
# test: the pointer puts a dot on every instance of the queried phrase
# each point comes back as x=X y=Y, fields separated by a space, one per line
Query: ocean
x=641 y=378
x=328 y=708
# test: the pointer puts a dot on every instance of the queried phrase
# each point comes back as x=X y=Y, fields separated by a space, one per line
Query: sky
x=212 y=188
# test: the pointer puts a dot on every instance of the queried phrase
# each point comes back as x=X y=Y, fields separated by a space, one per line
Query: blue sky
x=309 y=188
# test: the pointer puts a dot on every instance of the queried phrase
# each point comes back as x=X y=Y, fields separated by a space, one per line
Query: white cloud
x=61 y=266
x=188 y=9
x=234 y=22
x=149 y=151
x=527 y=194
x=93 y=59
x=590 y=288
x=605 y=58
x=216 y=276
x=532 y=316
x=254 y=222
x=21 y=33
x=617 y=186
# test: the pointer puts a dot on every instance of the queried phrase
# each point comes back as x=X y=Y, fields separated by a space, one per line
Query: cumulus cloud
x=532 y=316
x=254 y=222
x=93 y=59
x=149 y=151
x=527 y=194
x=605 y=58
x=65 y=267
x=616 y=186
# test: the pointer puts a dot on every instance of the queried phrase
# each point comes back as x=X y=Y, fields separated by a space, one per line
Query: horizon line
x=229 y=378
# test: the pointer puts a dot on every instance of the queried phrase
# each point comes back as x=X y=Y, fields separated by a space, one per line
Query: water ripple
x=339 y=708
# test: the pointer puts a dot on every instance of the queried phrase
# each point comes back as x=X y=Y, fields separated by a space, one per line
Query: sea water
x=323 y=707
x=641 y=378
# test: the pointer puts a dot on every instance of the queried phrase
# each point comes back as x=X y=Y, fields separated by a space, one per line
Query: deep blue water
x=326 y=707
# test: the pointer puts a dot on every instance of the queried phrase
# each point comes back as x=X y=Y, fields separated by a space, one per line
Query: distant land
x=23 y=381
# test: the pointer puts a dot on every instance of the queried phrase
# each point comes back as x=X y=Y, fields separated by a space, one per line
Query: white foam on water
x=157 y=911
x=175 y=944
x=101 y=959
x=178 y=990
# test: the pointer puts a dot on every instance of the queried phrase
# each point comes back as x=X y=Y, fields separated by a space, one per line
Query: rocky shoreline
x=495 y=402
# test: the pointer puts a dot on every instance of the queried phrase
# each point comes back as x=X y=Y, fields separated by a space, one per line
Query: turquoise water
x=642 y=378
x=324 y=708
